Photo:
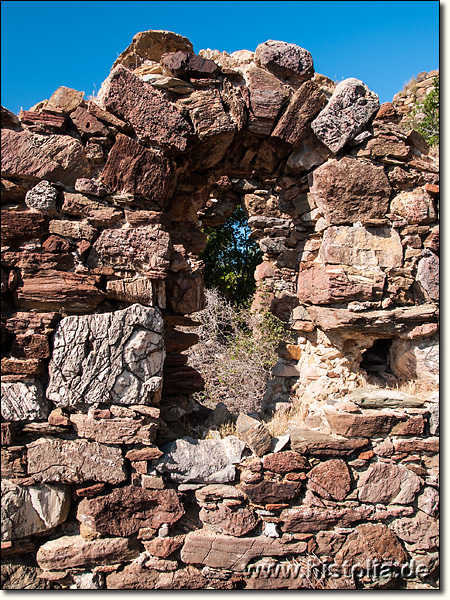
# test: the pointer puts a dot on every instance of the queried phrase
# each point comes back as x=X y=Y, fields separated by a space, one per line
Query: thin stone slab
x=113 y=358
x=308 y=441
x=383 y=398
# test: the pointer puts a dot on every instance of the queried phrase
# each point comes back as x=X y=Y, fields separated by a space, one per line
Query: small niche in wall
x=375 y=358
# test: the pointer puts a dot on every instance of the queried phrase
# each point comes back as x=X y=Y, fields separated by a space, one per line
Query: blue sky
x=48 y=44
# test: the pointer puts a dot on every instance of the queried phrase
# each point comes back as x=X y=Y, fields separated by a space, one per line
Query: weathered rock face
x=126 y=510
x=348 y=111
x=27 y=510
x=103 y=206
x=75 y=461
x=85 y=346
x=201 y=461
x=349 y=190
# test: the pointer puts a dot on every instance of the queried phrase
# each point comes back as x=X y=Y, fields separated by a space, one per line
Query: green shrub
x=424 y=117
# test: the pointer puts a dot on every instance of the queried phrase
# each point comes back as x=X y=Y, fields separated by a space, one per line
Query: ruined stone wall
x=103 y=202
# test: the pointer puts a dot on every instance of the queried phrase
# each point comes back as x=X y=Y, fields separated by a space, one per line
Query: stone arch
x=102 y=207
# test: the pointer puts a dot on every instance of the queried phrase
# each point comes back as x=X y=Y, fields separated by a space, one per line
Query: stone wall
x=103 y=202
x=415 y=91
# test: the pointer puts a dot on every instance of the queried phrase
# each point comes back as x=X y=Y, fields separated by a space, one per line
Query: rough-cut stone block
x=349 y=190
x=215 y=492
x=310 y=153
x=201 y=461
x=72 y=229
x=335 y=284
x=371 y=321
x=57 y=289
x=187 y=64
x=267 y=96
x=330 y=479
x=151 y=45
x=27 y=510
x=285 y=462
x=43 y=122
x=372 y=542
x=153 y=117
x=97 y=214
x=271 y=492
x=42 y=197
x=347 y=112
x=141 y=248
x=386 y=483
x=113 y=357
x=137 y=289
x=304 y=105
x=208 y=115
x=23 y=401
x=372 y=423
x=415 y=359
x=53 y=157
x=65 y=99
x=229 y=520
x=254 y=434
x=87 y=124
x=381 y=398
x=22 y=225
x=226 y=552
x=415 y=206
x=428 y=276
x=164 y=547
x=75 y=461
x=115 y=431
x=127 y=509
x=361 y=246
x=73 y=551
x=307 y=519
x=288 y=61
x=133 y=169
x=422 y=531
x=308 y=441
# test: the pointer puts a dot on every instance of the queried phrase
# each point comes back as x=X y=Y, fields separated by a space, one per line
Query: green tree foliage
x=231 y=258
x=425 y=116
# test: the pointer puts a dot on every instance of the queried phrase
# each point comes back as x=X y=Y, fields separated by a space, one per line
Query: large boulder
x=350 y=190
x=151 y=45
x=125 y=346
x=288 y=61
x=153 y=117
x=349 y=109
